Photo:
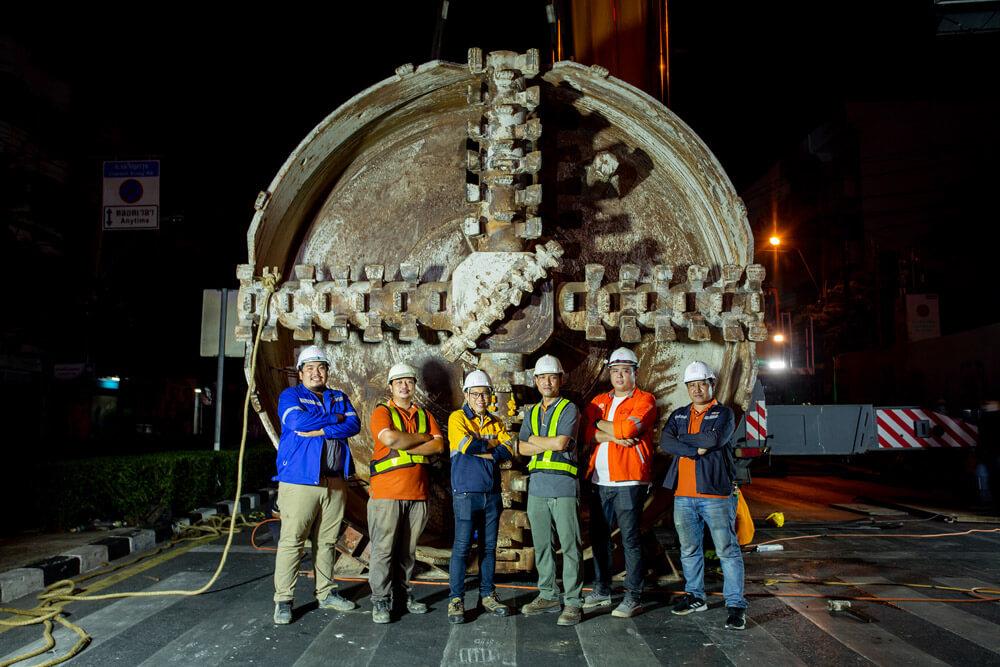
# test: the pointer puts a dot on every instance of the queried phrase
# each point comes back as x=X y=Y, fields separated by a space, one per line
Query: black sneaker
x=737 y=618
x=689 y=603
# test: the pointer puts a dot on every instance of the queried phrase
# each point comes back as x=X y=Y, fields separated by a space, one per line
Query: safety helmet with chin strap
x=623 y=357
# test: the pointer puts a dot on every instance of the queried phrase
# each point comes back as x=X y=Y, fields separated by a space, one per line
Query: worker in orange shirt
x=702 y=475
x=618 y=426
x=405 y=436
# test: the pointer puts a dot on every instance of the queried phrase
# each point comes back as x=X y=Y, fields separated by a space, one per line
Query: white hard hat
x=477 y=379
x=312 y=353
x=548 y=364
x=402 y=371
x=623 y=356
x=698 y=370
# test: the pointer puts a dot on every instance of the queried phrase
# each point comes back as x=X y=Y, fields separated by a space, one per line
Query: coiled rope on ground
x=59 y=593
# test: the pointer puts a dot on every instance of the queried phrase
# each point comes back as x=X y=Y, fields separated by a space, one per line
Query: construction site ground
x=866 y=554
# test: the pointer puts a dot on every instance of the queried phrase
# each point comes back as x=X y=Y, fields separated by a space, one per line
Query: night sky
x=222 y=97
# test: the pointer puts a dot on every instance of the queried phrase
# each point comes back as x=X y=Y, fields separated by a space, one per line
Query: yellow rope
x=65 y=590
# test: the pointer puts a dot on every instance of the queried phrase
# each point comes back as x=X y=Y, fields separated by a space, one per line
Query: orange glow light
x=779 y=338
x=774 y=240
x=559 y=37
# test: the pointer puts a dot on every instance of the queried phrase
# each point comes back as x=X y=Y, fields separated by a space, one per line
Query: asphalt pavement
x=231 y=624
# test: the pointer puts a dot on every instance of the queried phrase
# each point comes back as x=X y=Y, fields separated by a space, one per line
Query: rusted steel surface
x=455 y=216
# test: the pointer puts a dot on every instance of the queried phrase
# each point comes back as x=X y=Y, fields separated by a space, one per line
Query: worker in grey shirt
x=548 y=435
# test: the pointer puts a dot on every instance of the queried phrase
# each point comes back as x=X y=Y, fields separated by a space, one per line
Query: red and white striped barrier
x=903 y=428
x=757 y=422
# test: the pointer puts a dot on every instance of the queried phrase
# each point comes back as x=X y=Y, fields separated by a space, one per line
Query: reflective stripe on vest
x=544 y=461
x=399 y=459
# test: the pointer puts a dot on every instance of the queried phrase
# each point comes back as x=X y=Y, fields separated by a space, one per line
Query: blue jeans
x=472 y=511
x=690 y=517
x=623 y=504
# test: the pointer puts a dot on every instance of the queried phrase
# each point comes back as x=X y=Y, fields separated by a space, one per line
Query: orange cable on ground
x=971 y=591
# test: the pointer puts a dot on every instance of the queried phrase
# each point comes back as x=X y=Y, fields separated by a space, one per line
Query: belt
x=330 y=481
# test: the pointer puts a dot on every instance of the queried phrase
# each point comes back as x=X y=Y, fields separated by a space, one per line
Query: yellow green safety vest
x=549 y=461
x=397 y=459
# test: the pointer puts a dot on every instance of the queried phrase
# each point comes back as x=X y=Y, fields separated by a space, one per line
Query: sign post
x=218 y=339
x=219 y=379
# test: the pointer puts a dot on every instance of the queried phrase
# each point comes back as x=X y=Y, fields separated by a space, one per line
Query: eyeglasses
x=479 y=395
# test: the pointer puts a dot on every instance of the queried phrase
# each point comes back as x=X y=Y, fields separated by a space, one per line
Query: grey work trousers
x=549 y=517
x=393 y=528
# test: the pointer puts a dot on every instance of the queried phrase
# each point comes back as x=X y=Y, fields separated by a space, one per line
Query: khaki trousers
x=314 y=512
x=393 y=528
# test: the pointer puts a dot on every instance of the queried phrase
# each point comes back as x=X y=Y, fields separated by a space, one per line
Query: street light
x=776 y=241
x=779 y=338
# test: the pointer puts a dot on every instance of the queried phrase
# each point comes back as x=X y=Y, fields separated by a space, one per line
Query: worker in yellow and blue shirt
x=478 y=442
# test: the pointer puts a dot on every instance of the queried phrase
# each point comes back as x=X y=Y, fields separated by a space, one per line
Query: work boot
x=628 y=608
x=334 y=601
x=540 y=605
x=282 y=613
x=570 y=616
x=414 y=606
x=380 y=611
x=456 y=611
x=737 y=619
x=689 y=603
x=597 y=600
x=492 y=604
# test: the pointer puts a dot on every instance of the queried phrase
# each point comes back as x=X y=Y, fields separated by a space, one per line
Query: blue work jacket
x=714 y=470
x=300 y=458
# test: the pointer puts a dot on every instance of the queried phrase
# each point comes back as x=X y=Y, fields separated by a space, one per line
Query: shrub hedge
x=75 y=492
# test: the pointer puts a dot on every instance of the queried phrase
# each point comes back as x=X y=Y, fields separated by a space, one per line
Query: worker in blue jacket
x=313 y=462
x=702 y=475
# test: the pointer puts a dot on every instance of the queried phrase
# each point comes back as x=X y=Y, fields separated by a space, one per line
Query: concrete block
x=117 y=546
x=252 y=499
x=141 y=540
x=225 y=507
x=91 y=556
x=203 y=513
x=17 y=583
x=162 y=532
x=57 y=568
